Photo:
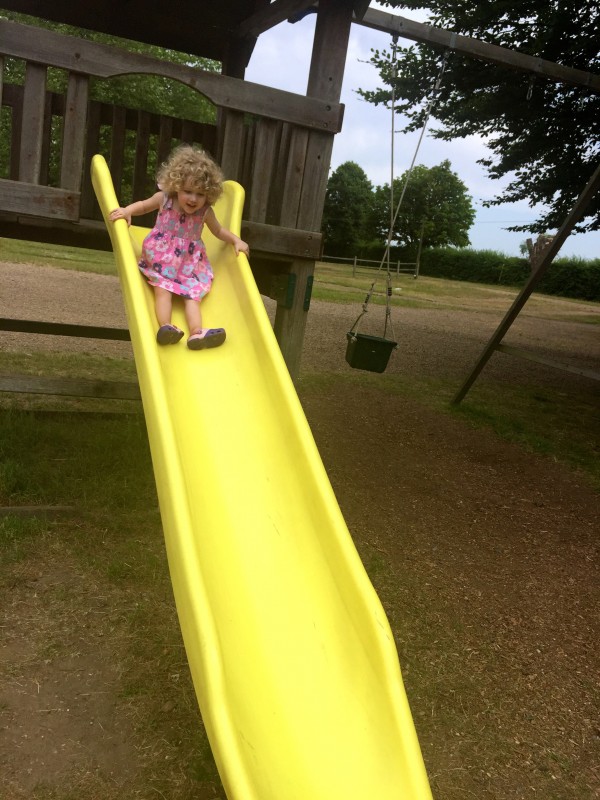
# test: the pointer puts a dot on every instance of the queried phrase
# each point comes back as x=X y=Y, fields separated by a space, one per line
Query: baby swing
x=363 y=351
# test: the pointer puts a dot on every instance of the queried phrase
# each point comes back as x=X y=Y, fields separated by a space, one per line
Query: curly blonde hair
x=193 y=167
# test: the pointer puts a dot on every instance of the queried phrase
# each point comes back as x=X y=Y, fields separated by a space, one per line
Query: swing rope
x=394 y=213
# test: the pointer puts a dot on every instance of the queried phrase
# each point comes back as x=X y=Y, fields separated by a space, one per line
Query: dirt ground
x=491 y=548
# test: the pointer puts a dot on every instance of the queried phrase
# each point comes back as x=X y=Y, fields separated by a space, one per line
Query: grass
x=77 y=258
x=546 y=421
x=107 y=597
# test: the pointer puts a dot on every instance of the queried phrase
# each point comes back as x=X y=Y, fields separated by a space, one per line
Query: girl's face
x=190 y=199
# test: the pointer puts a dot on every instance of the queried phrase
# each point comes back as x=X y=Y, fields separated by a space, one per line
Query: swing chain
x=352 y=334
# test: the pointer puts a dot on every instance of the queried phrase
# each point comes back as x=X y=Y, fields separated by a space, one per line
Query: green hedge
x=568 y=277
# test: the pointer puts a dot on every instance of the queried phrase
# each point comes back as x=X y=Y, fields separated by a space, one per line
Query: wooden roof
x=200 y=27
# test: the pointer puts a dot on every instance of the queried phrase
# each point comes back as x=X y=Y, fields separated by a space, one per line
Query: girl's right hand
x=120 y=213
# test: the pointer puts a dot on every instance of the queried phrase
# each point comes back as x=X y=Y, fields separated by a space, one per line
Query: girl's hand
x=241 y=247
x=120 y=213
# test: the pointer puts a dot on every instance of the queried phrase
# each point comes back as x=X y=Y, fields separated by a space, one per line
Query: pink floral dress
x=173 y=254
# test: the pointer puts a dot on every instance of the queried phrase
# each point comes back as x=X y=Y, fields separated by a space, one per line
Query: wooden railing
x=277 y=144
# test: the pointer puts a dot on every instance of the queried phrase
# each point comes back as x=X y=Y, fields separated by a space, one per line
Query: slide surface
x=292 y=657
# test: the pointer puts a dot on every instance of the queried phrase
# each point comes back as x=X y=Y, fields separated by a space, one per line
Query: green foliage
x=348 y=203
x=573 y=277
x=435 y=209
x=479 y=266
x=543 y=135
x=567 y=277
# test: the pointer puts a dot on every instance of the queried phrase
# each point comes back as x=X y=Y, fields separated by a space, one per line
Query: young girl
x=174 y=259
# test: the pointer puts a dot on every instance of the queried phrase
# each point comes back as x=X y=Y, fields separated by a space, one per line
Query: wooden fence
x=277 y=144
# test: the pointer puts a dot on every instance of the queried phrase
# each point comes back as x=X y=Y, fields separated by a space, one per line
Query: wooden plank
x=330 y=48
x=511 y=59
x=188 y=131
x=15 y=133
x=74 y=131
x=44 y=174
x=327 y=64
x=318 y=158
x=89 y=205
x=247 y=161
x=18 y=197
x=165 y=138
x=84 y=233
x=279 y=169
x=76 y=55
x=282 y=241
x=117 y=148
x=290 y=323
x=34 y=97
x=69 y=387
x=360 y=8
x=207 y=137
x=62 y=329
x=140 y=166
x=278 y=11
x=264 y=154
x=294 y=176
x=232 y=145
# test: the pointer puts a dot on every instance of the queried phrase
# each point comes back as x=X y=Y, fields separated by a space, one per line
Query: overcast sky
x=281 y=59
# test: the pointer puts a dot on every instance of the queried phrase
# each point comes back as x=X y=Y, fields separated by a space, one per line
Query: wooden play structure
x=276 y=144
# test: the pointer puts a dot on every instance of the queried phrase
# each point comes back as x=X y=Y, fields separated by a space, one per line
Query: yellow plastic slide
x=292 y=657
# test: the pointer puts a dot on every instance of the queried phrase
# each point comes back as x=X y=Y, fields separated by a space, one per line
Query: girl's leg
x=193 y=315
x=199 y=337
x=163 y=305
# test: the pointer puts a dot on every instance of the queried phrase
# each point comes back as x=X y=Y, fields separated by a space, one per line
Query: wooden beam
x=61 y=329
x=330 y=48
x=103 y=61
x=272 y=15
x=17 y=197
x=282 y=241
x=503 y=56
x=74 y=132
x=33 y=384
x=30 y=158
x=360 y=8
x=540 y=268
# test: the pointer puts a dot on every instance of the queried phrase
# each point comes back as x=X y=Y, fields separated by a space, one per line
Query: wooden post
x=419 y=250
x=74 y=132
x=330 y=46
x=30 y=160
x=290 y=323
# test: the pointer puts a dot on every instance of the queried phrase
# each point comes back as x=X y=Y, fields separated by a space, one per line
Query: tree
x=543 y=135
x=435 y=211
x=348 y=202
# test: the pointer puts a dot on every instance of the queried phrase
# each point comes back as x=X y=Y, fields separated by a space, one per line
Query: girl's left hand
x=241 y=247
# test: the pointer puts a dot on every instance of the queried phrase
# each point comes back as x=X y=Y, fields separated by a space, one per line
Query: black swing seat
x=370 y=353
